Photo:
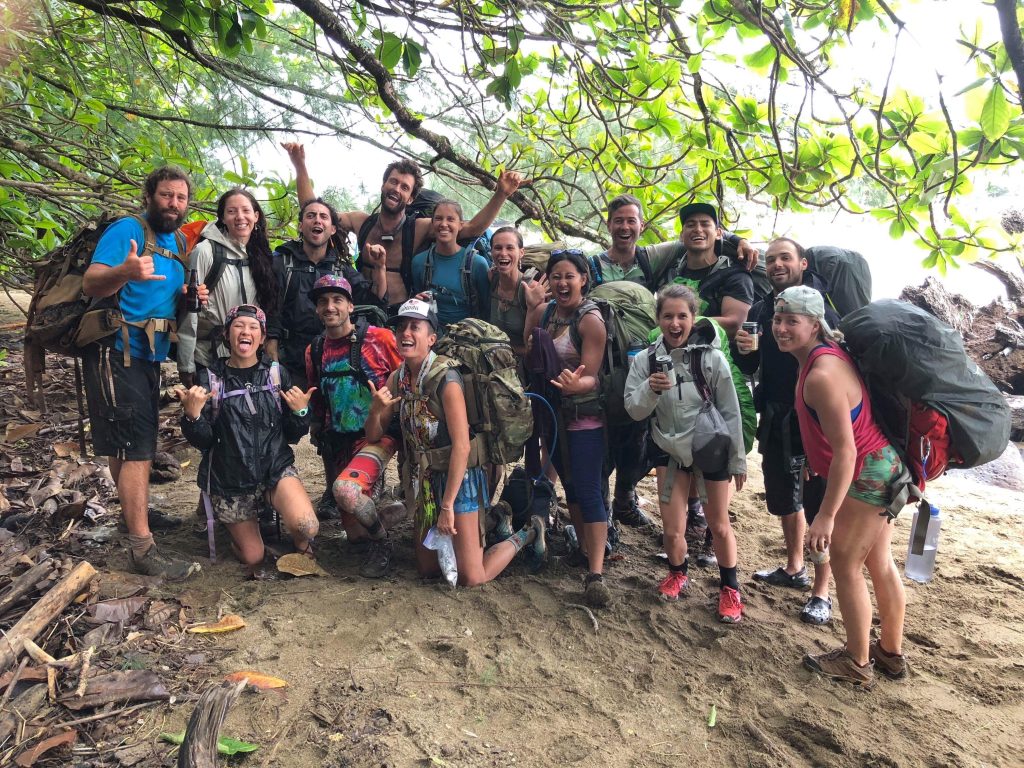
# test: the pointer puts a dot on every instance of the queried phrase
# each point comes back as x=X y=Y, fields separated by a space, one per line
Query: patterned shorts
x=873 y=485
x=246 y=506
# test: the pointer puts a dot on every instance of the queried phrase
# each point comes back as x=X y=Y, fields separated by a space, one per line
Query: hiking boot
x=893 y=665
x=155 y=563
x=839 y=665
x=392 y=514
x=161 y=521
x=500 y=517
x=595 y=591
x=537 y=552
x=631 y=516
x=696 y=531
x=378 y=559
x=327 y=508
x=817 y=610
x=730 y=606
x=706 y=557
x=673 y=584
x=780 y=578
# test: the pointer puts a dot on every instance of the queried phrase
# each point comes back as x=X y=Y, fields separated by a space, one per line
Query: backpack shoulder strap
x=408 y=248
x=355 y=352
x=651 y=355
x=574 y=327
x=275 y=382
x=643 y=260
x=150 y=245
x=468 y=286
x=316 y=356
x=428 y=268
x=697 y=371
x=364 y=231
x=217 y=390
x=596 y=272
x=549 y=311
x=217 y=268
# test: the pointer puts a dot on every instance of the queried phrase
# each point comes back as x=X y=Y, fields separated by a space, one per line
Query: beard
x=389 y=207
x=162 y=220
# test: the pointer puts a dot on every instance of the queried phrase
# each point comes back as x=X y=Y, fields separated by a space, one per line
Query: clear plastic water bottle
x=921 y=568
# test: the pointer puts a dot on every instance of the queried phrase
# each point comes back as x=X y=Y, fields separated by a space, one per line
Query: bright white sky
x=927 y=49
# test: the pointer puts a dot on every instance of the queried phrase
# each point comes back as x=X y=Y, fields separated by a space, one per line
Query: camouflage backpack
x=498 y=409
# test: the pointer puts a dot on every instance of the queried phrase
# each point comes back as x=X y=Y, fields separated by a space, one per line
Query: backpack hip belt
x=437 y=459
x=100 y=323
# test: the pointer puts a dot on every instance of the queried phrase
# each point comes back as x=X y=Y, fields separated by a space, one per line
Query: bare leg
x=822 y=573
x=889 y=593
x=717 y=513
x=290 y=499
x=673 y=515
x=477 y=566
x=132 y=479
x=595 y=536
x=794 y=526
x=247 y=542
x=858 y=527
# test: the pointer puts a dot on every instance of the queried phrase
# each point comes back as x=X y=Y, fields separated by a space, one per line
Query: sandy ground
x=400 y=672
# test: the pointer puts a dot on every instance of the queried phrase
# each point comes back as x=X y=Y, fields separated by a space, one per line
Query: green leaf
x=995 y=113
x=390 y=50
x=225 y=744
x=761 y=61
x=515 y=37
x=896 y=229
x=412 y=57
x=693 y=63
x=923 y=143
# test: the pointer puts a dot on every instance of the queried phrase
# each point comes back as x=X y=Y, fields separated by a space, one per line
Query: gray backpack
x=712 y=441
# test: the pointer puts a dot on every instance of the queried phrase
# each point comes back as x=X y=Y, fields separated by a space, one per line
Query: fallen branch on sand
x=590 y=613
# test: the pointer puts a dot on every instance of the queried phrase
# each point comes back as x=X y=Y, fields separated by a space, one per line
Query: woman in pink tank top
x=845 y=445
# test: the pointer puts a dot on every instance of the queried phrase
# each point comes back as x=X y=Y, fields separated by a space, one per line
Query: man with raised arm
x=390 y=238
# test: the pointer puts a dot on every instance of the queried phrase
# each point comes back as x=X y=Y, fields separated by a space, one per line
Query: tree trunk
x=199 y=749
x=1012 y=41
x=1014 y=283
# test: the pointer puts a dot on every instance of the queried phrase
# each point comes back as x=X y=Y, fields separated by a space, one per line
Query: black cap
x=694 y=208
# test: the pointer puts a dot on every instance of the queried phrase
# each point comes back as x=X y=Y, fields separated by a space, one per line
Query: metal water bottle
x=921 y=568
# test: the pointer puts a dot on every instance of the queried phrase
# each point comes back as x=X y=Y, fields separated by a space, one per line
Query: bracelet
x=301 y=413
x=189 y=419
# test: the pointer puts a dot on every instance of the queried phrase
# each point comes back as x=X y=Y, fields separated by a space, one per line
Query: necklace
x=389 y=237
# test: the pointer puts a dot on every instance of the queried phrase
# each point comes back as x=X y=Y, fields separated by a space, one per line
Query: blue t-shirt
x=452 y=302
x=144 y=298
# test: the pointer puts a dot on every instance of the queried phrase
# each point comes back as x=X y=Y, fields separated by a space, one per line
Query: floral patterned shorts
x=245 y=506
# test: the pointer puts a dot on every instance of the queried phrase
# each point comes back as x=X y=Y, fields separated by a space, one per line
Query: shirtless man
x=403 y=180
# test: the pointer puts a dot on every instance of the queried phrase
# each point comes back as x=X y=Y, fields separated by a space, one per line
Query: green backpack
x=497 y=407
x=629 y=315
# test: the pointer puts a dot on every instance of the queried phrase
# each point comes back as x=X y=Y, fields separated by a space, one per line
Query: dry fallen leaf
x=16 y=432
x=28 y=758
x=69 y=448
x=297 y=564
x=229 y=623
x=256 y=679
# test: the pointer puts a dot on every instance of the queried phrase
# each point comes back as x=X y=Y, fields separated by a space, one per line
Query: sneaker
x=155 y=563
x=673 y=584
x=500 y=516
x=595 y=591
x=839 y=665
x=706 y=557
x=327 y=508
x=817 y=610
x=730 y=606
x=780 y=578
x=161 y=521
x=378 y=559
x=632 y=516
x=894 y=666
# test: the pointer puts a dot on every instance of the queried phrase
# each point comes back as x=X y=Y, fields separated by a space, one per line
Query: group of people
x=302 y=339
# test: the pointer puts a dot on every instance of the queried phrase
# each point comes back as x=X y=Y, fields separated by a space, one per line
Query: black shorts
x=124 y=403
x=785 y=489
x=658 y=458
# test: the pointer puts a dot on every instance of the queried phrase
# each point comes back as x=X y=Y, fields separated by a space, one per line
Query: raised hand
x=375 y=255
x=296 y=399
x=137 y=267
x=748 y=254
x=509 y=182
x=536 y=292
x=382 y=398
x=296 y=152
x=193 y=399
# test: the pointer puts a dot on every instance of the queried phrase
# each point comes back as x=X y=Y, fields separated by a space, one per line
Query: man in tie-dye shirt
x=342 y=364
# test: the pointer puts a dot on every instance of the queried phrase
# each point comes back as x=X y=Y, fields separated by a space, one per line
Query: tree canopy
x=670 y=100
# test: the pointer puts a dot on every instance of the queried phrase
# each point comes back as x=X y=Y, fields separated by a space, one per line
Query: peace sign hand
x=139 y=267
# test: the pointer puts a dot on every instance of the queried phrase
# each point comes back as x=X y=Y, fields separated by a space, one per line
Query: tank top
x=867 y=437
x=572 y=358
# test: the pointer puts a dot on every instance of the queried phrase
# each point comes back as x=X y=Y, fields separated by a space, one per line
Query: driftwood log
x=22 y=709
x=199 y=749
x=44 y=613
x=24 y=584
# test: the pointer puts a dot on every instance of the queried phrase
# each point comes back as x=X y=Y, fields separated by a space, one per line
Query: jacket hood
x=212 y=233
x=294 y=247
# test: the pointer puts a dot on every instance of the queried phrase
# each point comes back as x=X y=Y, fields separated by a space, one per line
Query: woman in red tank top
x=845 y=445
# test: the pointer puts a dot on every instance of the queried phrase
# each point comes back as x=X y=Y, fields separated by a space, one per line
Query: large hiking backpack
x=933 y=402
x=61 y=318
x=420 y=208
x=536 y=256
x=497 y=408
x=629 y=315
x=722 y=269
x=848 y=276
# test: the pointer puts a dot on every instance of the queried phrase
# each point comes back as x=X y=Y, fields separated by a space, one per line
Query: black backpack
x=466 y=273
x=420 y=208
